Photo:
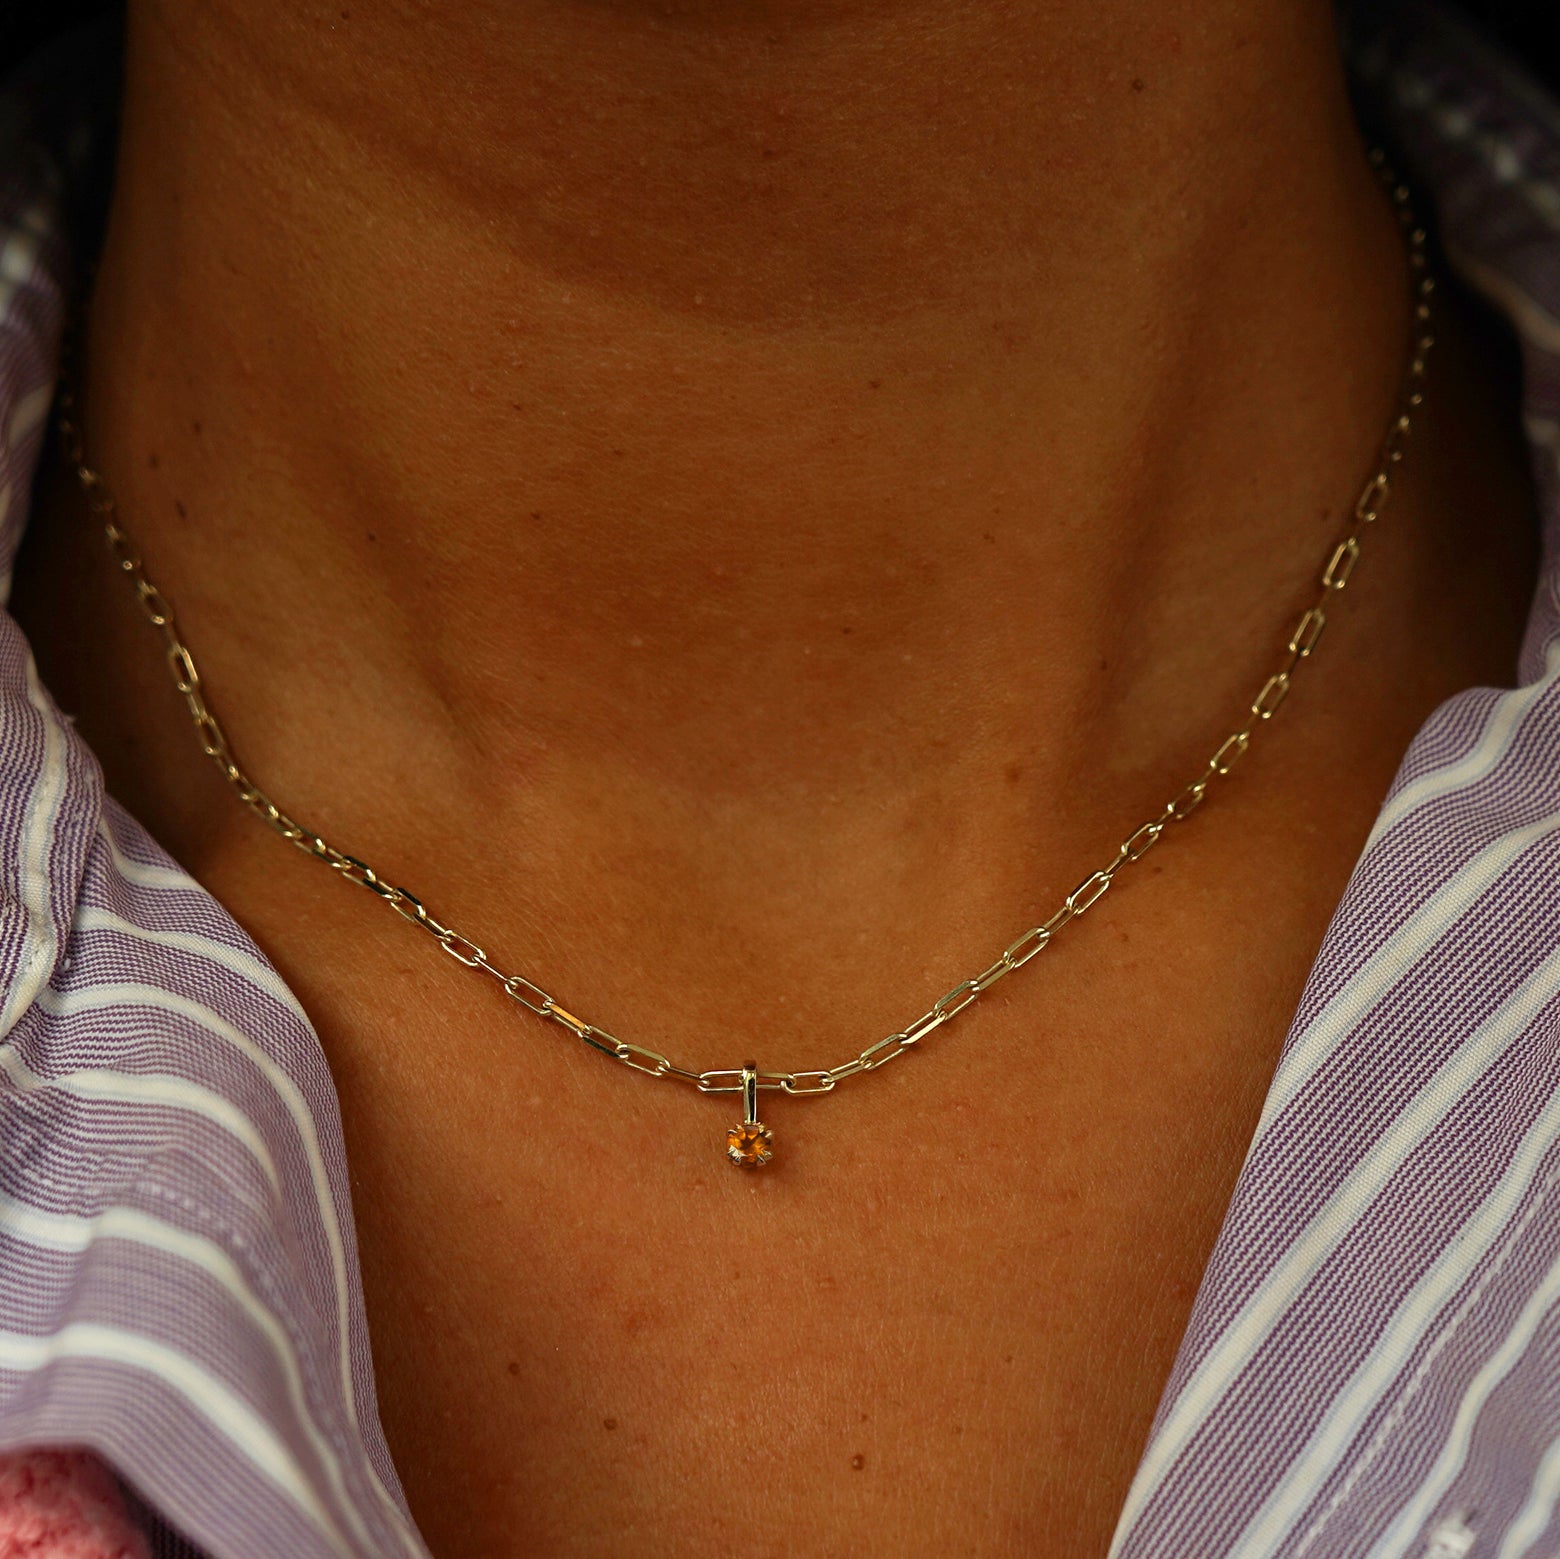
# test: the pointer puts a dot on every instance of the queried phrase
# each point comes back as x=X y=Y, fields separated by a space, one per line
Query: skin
x=741 y=508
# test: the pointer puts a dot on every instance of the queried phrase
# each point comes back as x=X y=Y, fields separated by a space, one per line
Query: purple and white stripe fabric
x=1372 y=1366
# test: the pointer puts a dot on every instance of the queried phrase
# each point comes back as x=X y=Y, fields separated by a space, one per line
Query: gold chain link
x=1298 y=648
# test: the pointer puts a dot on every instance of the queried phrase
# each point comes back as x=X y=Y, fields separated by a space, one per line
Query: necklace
x=750 y=1143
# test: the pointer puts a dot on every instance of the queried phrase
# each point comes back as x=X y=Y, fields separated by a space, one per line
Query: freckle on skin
x=858 y=1461
x=609 y=1423
x=153 y=461
x=184 y=513
x=514 y=1366
x=1138 y=83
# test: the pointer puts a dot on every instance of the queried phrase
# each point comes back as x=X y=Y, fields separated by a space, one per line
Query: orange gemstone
x=748 y=1145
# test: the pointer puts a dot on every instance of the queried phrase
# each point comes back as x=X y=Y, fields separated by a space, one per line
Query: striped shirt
x=1372 y=1365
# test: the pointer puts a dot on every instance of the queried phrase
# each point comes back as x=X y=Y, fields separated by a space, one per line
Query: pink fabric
x=64 y=1505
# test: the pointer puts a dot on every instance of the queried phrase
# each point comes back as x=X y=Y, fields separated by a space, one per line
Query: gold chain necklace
x=750 y=1144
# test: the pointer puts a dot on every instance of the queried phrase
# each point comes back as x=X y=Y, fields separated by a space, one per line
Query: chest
x=939 y=1321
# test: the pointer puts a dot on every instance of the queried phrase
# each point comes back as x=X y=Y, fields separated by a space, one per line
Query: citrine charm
x=748 y=1144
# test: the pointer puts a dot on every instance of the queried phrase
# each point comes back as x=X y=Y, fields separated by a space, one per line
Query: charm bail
x=748 y=1144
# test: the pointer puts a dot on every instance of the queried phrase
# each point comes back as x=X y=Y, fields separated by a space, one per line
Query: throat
x=664 y=400
x=760 y=607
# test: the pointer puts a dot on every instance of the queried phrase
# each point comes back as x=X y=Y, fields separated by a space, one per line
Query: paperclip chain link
x=1298 y=648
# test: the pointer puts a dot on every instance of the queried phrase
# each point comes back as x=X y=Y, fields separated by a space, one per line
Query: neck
x=722 y=399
